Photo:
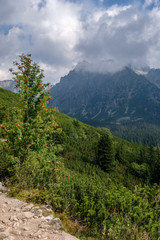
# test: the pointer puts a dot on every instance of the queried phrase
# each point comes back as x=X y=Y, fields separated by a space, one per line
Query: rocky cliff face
x=102 y=99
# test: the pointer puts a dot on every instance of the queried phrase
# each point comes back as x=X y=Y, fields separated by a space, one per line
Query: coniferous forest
x=102 y=187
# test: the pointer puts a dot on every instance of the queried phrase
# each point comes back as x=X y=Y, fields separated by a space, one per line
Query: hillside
x=8 y=84
x=96 y=203
x=8 y=98
x=109 y=100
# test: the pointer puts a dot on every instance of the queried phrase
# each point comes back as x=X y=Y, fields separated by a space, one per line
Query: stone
x=44 y=225
x=25 y=215
x=56 y=223
x=49 y=209
x=25 y=229
x=36 y=208
x=36 y=234
x=4 y=234
x=28 y=208
x=13 y=218
x=15 y=232
x=4 y=205
x=5 y=221
x=49 y=218
x=38 y=212
x=15 y=225
x=25 y=234
x=2 y=228
x=3 y=188
x=13 y=209
x=19 y=224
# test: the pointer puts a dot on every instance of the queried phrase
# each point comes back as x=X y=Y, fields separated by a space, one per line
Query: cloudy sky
x=108 y=34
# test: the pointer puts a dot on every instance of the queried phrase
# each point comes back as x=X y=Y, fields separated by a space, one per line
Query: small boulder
x=25 y=215
x=56 y=223
x=28 y=208
x=49 y=218
x=3 y=188
x=38 y=212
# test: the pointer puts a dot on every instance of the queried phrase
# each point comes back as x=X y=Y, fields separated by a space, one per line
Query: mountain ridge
x=123 y=101
x=107 y=97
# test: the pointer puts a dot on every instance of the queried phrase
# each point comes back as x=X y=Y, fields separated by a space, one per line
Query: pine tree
x=105 y=156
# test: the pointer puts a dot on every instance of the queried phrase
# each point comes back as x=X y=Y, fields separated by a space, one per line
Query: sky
x=100 y=35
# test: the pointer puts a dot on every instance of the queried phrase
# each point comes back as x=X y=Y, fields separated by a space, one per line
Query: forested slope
x=107 y=190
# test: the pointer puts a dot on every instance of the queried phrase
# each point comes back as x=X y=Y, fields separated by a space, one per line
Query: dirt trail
x=19 y=221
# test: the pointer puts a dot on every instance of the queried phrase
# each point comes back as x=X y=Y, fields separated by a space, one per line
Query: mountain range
x=127 y=101
x=102 y=99
x=114 y=100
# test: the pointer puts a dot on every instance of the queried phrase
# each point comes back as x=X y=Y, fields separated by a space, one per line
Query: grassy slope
x=8 y=98
x=106 y=203
x=80 y=143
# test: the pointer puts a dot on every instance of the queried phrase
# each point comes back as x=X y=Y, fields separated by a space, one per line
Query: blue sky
x=108 y=3
x=60 y=34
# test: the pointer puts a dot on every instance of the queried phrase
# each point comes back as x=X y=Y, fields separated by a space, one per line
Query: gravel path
x=20 y=221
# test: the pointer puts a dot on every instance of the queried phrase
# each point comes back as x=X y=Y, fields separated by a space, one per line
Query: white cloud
x=4 y=74
x=49 y=33
x=60 y=33
x=124 y=34
x=148 y=3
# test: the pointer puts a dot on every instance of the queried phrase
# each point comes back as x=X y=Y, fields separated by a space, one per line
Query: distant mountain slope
x=154 y=76
x=8 y=84
x=101 y=99
x=125 y=102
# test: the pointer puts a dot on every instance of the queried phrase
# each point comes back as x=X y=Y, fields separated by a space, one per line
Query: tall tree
x=31 y=127
x=105 y=155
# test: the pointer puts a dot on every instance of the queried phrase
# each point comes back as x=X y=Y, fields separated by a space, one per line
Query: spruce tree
x=105 y=156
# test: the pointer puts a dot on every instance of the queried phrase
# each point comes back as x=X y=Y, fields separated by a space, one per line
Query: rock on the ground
x=3 y=188
x=56 y=222
x=21 y=221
